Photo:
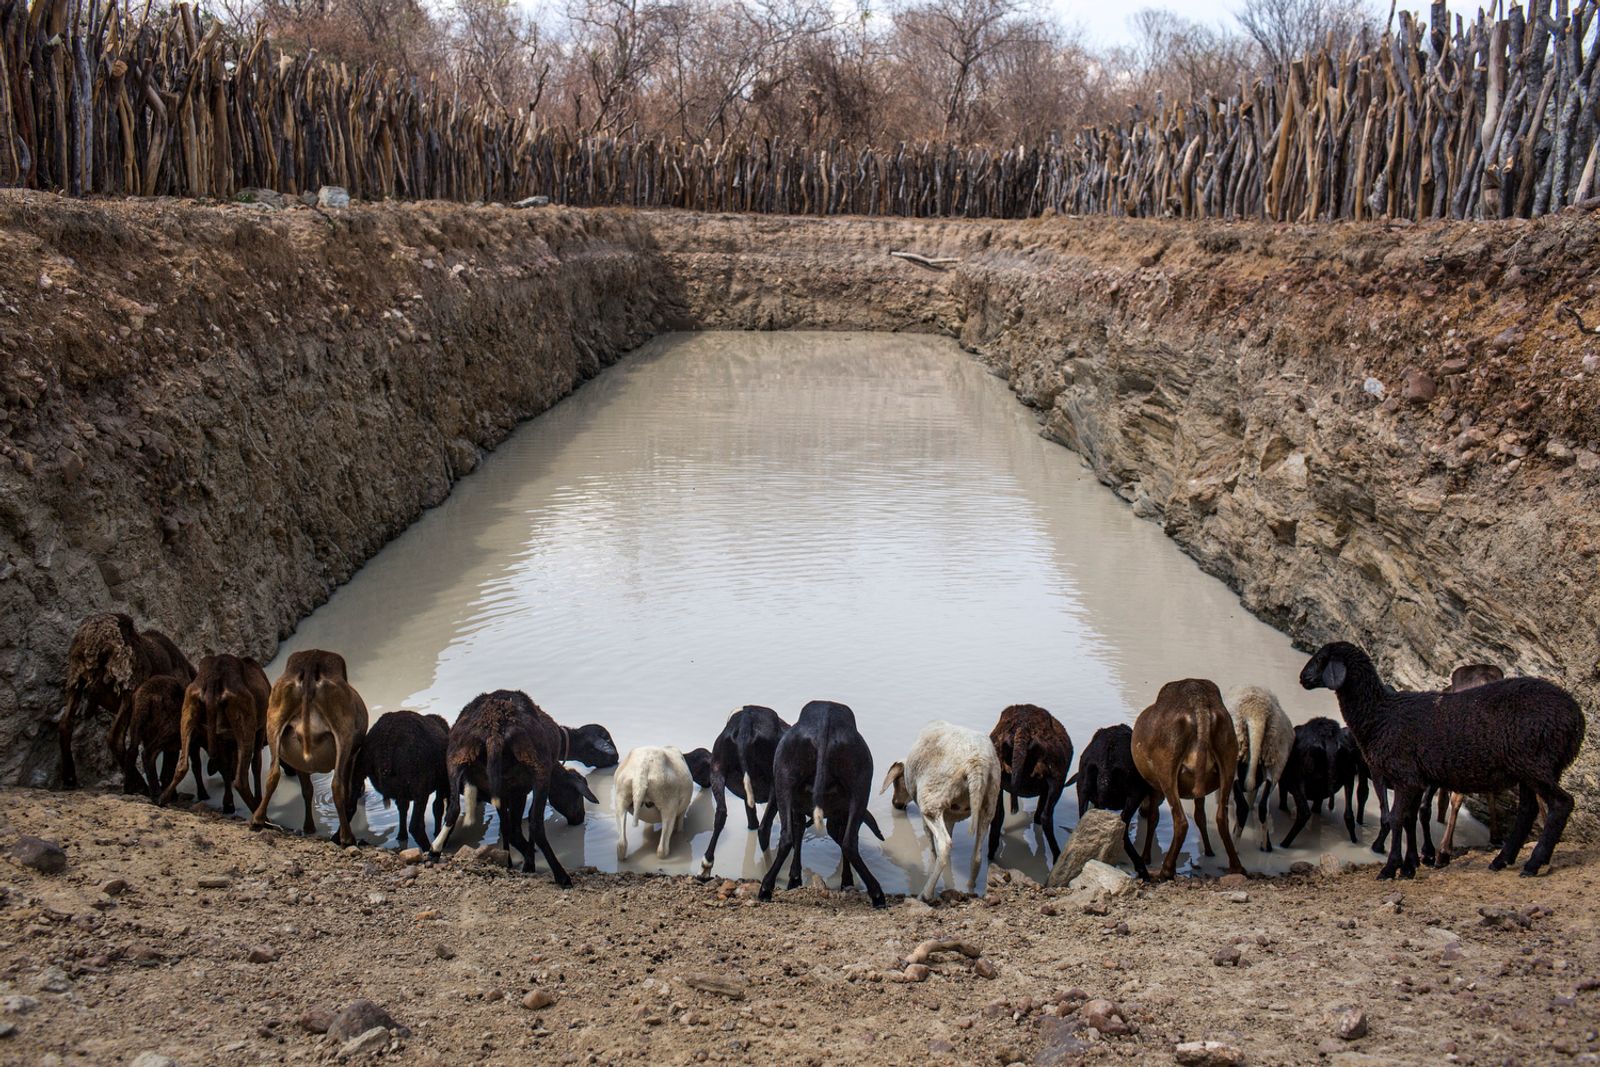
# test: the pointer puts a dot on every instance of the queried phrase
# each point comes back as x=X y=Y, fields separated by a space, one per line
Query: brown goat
x=154 y=729
x=1185 y=746
x=226 y=704
x=1035 y=755
x=316 y=722
x=108 y=661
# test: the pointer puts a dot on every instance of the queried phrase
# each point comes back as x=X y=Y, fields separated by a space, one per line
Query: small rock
x=984 y=969
x=412 y=855
x=1349 y=1023
x=731 y=988
x=1587 y=460
x=1233 y=881
x=1208 y=1054
x=1417 y=386
x=533 y=201
x=1372 y=387
x=115 y=888
x=40 y=855
x=1061 y=1046
x=18 y=1004
x=1558 y=452
x=1459 y=365
x=940 y=1047
x=358 y=1017
x=152 y=1059
x=265 y=197
x=8 y=1030
x=334 y=196
x=214 y=881
x=1102 y=877
x=368 y=1041
x=315 y=1020
x=444 y=951
x=1105 y=1016
x=53 y=980
x=1226 y=956
x=538 y=1000
x=917 y=972
x=1238 y=897
x=1301 y=867
x=263 y=954
x=1329 y=864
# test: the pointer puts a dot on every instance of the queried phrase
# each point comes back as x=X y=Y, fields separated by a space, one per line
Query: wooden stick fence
x=1496 y=118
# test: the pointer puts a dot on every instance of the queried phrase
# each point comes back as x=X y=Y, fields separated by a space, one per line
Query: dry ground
x=451 y=951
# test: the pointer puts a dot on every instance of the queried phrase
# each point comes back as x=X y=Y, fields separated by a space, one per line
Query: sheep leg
x=1361 y=799
x=402 y=822
x=1234 y=866
x=1408 y=868
x=509 y=809
x=1200 y=821
x=64 y=728
x=1401 y=812
x=764 y=833
x=800 y=833
x=1149 y=820
x=542 y=840
x=117 y=740
x=1241 y=805
x=1558 y=808
x=1180 y=830
x=669 y=823
x=452 y=814
x=785 y=843
x=996 y=824
x=258 y=818
x=310 y=825
x=1046 y=816
x=836 y=831
x=1264 y=819
x=201 y=793
x=621 y=801
x=241 y=763
x=344 y=759
x=1302 y=814
x=852 y=854
x=1425 y=824
x=1384 y=817
x=1447 y=844
x=1349 y=810
x=719 y=817
x=939 y=837
x=1139 y=864
x=149 y=761
x=1521 y=827
x=438 y=816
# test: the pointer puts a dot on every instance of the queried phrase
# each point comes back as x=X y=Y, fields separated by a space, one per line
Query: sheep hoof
x=564 y=882
x=1529 y=871
x=1443 y=860
x=1497 y=864
x=1387 y=874
x=794 y=883
x=765 y=894
x=880 y=903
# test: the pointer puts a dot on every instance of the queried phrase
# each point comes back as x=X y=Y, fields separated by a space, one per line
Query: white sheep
x=952 y=773
x=654 y=786
x=1265 y=738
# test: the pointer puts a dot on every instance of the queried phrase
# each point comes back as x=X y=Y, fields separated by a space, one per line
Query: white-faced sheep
x=1522 y=731
x=653 y=785
x=1265 y=737
x=950 y=774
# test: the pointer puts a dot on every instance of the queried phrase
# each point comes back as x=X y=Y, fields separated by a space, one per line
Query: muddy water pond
x=732 y=518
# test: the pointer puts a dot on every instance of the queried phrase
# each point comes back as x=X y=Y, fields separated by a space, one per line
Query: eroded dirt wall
x=213 y=416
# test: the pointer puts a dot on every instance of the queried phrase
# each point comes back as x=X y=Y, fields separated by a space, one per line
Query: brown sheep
x=154 y=729
x=108 y=661
x=226 y=704
x=1035 y=755
x=1185 y=746
x=316 y=722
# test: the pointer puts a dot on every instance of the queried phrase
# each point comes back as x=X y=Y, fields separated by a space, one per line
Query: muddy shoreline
x=1258 y=390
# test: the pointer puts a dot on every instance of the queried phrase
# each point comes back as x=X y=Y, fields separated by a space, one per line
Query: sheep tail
x=1020 y=751
x=492 y=747
x=305 y=719
x=819 y=784
x=1255 y=729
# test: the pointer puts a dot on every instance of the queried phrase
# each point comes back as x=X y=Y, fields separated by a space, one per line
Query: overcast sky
x=1106 y=21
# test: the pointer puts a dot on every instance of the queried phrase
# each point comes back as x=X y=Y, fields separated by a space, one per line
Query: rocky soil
x=180 y=934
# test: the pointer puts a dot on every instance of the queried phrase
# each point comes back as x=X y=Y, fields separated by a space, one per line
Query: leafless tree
x=1284 y=30
x=948 y=44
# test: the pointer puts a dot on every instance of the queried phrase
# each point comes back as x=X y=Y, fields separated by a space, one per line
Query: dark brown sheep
x=1035 y=755
x=1185 y=746
x=108 y=661
x=154 y=729
x=226 y=707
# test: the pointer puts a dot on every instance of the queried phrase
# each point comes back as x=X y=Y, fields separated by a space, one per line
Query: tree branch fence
x=1494 y=118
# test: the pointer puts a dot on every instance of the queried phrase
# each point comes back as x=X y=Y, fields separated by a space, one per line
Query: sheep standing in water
x=1184 y=745
x=1265 y=738
x=1522 y=731
x=1107 y=778
x=1035 y=755
x=403 y=758
x=654 y=786
x=951 y=774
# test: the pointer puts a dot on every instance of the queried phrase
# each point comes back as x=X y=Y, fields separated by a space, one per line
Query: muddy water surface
x=731 y=518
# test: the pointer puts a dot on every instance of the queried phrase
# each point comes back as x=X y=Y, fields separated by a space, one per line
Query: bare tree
x=1285 y=30
x=949 y=43
x=497 y=53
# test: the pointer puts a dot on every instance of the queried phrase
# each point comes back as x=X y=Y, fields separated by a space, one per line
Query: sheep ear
x=897 y=771
x=1333 y=674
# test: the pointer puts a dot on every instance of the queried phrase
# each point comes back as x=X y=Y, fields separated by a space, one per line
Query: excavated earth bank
x=213 y=414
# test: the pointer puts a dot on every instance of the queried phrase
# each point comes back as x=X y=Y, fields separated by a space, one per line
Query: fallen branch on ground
x=932 y=263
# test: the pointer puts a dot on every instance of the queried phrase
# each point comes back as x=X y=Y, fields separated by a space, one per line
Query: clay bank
x=214 y=415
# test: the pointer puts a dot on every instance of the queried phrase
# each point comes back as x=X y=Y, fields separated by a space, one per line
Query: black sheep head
x=699 y=761
x=568 y=791
x=1329 y=666
x=592 y=744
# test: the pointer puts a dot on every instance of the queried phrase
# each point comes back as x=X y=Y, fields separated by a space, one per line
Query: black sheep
x=1522 y=731
x=741 y=763
x=1108 y=779
x=1322 y=762
x=403 y=756
x=823 y=763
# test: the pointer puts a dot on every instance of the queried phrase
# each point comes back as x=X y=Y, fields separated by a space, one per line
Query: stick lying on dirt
x=1570 y=310
x=921 y=953
x=940 y=263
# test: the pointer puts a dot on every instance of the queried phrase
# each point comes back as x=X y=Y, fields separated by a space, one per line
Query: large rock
x=333 y=196
x=360 y=1016
x=1104 y=878
x=1098 y=836
x=40 y=855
